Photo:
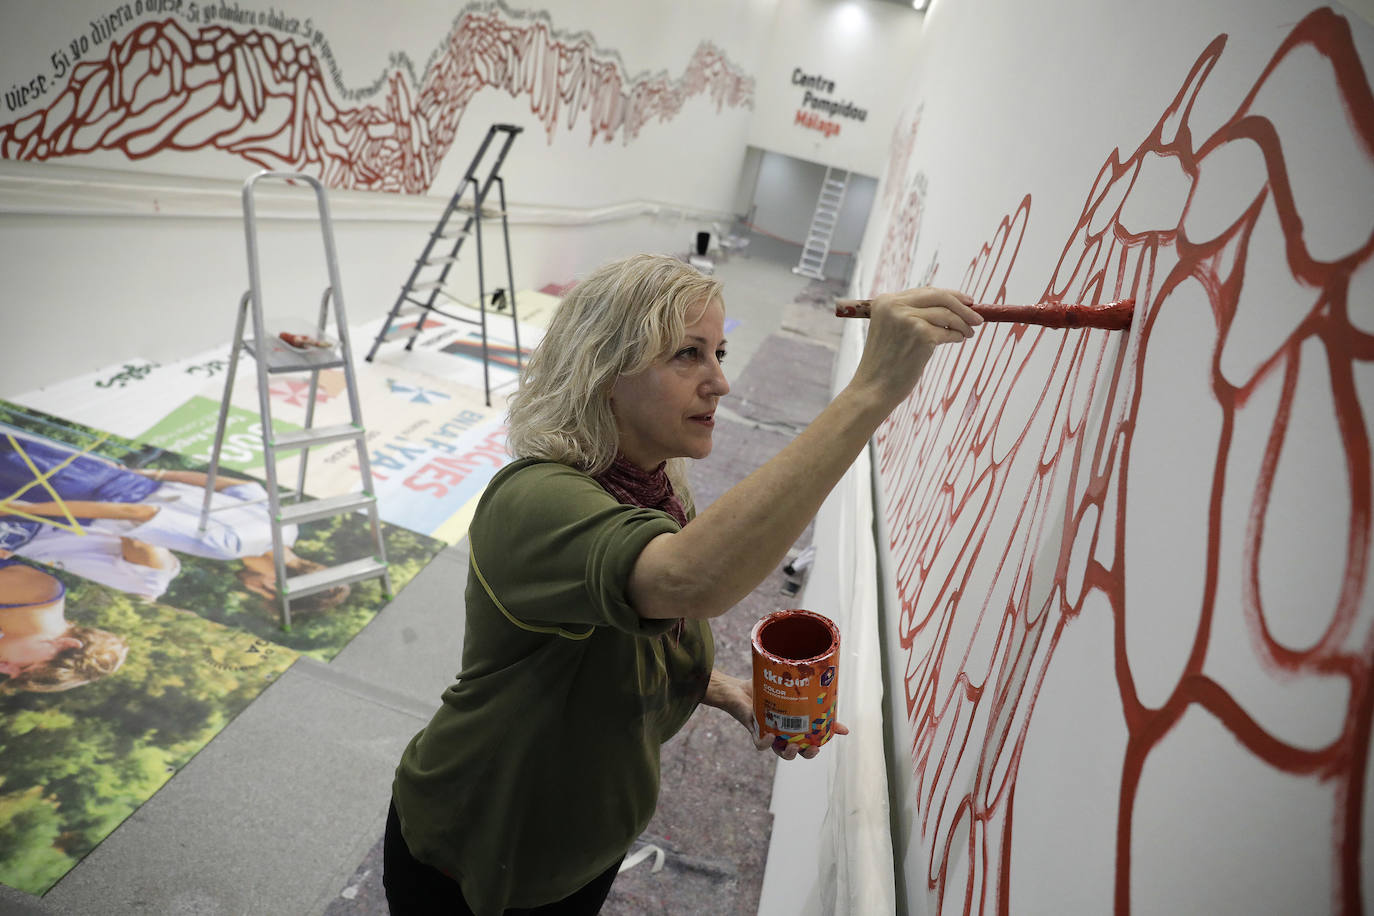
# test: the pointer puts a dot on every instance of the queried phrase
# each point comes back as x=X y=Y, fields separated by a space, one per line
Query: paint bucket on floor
x=796 y=658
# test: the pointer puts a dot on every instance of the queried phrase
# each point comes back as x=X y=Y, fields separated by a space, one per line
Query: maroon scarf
x=631 y=485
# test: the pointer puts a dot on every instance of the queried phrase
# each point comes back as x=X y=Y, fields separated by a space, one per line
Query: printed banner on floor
x=127 y=397
x=80 y=754
x=127 y=515
x=452 y=348
x=432 y=444
x=432 y=440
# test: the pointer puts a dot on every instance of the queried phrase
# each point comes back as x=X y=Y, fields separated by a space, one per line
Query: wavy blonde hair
x=100 y=654
x=618 y=321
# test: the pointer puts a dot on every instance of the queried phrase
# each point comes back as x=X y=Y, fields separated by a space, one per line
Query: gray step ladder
x=816 y=248
x=422 y=289
x=272 y=355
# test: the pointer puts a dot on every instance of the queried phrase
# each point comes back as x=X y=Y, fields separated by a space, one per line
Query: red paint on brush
x=1111 y=316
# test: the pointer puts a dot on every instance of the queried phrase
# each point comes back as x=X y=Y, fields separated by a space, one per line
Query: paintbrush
x=1111 y=316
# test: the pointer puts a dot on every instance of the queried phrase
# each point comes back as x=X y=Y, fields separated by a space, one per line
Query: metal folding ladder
x=272 y=356
x=816 y=248
x=441 y=251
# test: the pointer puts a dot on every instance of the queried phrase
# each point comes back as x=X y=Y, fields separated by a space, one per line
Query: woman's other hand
x=904 y=330
x=736 y=696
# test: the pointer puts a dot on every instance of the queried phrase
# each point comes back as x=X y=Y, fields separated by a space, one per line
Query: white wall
x=112 y=253
x=1130 y=623
x=864 y=48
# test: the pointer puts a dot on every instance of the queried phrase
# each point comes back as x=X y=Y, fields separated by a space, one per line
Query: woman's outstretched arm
x=726 y=551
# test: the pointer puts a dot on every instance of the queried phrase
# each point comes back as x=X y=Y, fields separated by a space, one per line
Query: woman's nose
x=717 y=384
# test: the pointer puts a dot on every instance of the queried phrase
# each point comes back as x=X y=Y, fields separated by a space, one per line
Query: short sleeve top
x=541 y=766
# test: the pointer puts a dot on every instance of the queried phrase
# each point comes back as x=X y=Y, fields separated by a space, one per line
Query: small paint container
x=796 y=657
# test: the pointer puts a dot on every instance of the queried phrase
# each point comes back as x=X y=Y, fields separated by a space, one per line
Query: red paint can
x=796 y=659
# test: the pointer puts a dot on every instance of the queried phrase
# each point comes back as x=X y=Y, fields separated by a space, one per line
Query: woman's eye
x=694 y=353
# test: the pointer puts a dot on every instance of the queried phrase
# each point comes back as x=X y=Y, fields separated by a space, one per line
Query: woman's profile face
x=668 y=410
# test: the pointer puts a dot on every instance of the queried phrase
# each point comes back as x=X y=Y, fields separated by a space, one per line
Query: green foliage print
x=77 y=763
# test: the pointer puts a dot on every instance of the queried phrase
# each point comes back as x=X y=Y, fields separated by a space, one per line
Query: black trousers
x=416 y=889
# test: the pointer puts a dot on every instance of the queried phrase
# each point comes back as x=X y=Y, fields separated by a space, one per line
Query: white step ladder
x=816 y=248
x=272 y=355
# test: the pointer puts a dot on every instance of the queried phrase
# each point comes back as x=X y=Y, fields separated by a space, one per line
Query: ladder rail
x=264 y=400
x=311 y=397
x=355 y=406
x=481 y=298
x=220 y=424
x=510 y=272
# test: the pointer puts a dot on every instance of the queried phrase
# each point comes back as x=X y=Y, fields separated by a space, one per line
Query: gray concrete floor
x=280 y=813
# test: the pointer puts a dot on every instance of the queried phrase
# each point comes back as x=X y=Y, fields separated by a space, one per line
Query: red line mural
x=262 y=96
x=1006 y=527
x=905 y=201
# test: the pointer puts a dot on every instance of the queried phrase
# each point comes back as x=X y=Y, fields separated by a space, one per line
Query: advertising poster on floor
x=105 y=695
x=417 y=424
x=127 y=515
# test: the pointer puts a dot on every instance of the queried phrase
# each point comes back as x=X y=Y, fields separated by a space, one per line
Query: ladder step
x=318 y=581
x=428 y=284
x=396 y=334
x=424 y=309
x=832 y=183
x=276 y=356
x=445 y=259
x=317 y=435
x=295 y=513
x=452 y=234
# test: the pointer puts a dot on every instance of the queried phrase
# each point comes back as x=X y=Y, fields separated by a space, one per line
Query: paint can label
x=796 y=655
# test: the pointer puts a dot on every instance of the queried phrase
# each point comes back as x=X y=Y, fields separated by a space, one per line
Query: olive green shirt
x=541 y=767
